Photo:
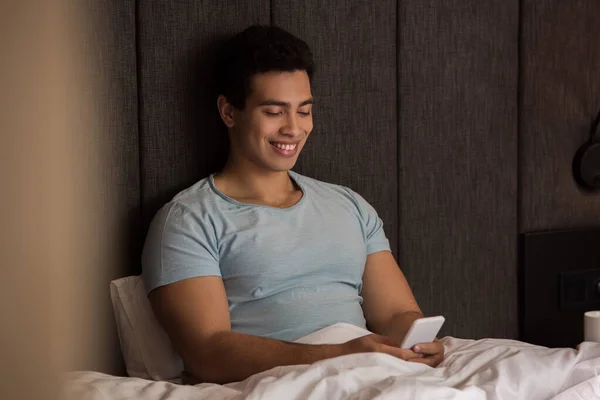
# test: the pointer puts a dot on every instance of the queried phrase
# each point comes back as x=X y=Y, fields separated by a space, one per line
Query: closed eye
x=305 y=111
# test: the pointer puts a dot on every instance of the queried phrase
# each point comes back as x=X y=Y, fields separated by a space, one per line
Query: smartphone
x=423 y=330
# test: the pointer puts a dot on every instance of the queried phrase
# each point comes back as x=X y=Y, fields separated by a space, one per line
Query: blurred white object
x=591 y=326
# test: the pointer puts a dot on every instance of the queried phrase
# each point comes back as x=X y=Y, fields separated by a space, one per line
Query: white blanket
x=473 y=369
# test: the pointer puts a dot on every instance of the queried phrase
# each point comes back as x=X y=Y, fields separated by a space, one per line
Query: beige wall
x=51 y=218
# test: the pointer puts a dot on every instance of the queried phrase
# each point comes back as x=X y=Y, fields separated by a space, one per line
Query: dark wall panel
x=354 y=139
x=560 y=96
x=181 y=137
x=560 y=271
x=458 y=161
x=115 y=50
x=416 y=110
x=110 y=142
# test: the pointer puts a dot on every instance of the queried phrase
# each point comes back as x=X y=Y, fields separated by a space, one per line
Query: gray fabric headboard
x=456 y=120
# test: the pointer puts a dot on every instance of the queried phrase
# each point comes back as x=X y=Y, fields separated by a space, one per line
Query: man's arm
x=195 y=315
x=389 y=304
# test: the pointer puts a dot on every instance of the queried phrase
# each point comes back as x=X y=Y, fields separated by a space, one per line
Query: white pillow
x=146 y=348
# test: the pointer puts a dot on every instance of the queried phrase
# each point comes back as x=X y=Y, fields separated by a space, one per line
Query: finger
x=409 y=354
x=429 y=348
x=432 y=361
x=403 y=354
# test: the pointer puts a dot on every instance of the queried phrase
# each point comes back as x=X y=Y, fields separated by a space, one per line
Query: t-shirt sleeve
x=179 y=245
x=372 y=225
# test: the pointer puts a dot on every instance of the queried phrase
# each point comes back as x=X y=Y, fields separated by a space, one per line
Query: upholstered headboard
x=457 y=121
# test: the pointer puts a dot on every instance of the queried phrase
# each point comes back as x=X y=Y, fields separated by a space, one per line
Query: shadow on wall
x=204 y=134
x=199 y=106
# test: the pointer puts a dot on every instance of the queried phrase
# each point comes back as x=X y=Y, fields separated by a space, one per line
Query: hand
x=379 y=344
x=432 y=353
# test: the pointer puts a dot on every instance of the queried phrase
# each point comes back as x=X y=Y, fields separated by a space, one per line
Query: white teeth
x=285 y=146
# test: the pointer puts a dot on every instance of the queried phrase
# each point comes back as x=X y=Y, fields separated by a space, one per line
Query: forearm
x=232 y=357
x=400 y=323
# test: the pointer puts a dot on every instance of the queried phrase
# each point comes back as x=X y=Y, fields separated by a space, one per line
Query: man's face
x=272 y=128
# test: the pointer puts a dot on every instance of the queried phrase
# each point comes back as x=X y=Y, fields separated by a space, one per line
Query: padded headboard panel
x=458 y=160
x=457 y=120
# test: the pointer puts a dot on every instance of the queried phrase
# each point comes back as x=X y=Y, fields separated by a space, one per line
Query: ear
x=226 y=110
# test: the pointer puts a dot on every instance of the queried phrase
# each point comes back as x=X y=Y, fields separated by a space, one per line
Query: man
x=251 y=258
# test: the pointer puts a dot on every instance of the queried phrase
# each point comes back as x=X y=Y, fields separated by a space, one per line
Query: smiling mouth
x=284 y=146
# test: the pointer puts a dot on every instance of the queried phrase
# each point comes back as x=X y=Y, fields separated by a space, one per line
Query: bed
x=472 y=369
x=414 y=119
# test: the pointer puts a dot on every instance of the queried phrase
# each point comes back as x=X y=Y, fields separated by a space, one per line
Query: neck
x=248 y=181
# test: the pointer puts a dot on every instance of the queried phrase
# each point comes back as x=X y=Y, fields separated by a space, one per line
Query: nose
x=291 y=127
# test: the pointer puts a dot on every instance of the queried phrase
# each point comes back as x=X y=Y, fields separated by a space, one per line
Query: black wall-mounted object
x=558 y=282
x=579 y=290
x=586 y=163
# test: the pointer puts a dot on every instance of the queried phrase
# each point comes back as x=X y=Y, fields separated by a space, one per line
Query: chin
x=281 y=167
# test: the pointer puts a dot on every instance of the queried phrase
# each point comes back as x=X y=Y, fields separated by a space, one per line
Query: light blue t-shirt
x=287 y=272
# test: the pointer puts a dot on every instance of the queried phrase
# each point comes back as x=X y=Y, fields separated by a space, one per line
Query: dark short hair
x=258 y=49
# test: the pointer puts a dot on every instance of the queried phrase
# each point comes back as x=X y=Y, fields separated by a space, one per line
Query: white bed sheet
x=473 y=369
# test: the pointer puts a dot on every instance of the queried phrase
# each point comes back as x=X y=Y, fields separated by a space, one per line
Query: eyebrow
x=285 y=104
